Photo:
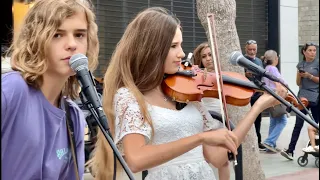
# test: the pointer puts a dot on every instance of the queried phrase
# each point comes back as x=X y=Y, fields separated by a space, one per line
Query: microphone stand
x=101 y=120
x=284 y=102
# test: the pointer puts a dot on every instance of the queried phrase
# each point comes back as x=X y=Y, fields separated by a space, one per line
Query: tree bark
x=228 y=41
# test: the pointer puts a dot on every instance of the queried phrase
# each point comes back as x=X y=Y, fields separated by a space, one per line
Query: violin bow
x=217 y=67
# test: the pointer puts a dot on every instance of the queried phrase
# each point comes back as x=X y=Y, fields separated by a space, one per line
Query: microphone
x=79 y=64
x=237 y=58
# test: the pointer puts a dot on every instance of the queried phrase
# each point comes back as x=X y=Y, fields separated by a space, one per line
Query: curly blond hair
x=29 y=48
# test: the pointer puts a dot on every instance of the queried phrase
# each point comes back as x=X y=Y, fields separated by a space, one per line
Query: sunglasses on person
x=311 y=44
x=251 y=42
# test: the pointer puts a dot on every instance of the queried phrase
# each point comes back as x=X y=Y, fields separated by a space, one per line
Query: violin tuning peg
x=187 y=100
x=173 y=98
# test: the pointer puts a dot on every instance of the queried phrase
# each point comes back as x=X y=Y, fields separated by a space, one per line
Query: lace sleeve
x=208 y=122
x=128 y=118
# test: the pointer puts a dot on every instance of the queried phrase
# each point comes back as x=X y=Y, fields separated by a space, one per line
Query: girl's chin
x=172 y=71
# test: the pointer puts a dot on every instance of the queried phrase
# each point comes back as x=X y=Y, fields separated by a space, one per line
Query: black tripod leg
x=238 y=169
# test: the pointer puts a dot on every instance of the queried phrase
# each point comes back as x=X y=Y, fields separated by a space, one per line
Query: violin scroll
x=291 y=99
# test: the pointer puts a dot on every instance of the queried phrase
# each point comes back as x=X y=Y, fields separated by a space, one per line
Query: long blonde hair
x=137 y=64
x=29 y=50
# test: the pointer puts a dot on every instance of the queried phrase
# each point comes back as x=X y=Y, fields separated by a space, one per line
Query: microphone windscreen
x=78 y=62
x=235 y=56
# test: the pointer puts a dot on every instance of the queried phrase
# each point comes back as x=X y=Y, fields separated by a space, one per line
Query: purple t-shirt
x=34 y=141
x=274 y=71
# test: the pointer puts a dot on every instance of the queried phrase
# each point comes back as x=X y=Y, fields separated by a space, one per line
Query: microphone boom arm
x=101 y=120
x=284 y=102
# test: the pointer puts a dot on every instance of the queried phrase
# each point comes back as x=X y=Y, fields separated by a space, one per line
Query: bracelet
x=311 y=77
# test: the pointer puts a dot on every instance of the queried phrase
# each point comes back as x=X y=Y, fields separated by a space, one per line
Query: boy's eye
x=57 y=35
x=80 y=35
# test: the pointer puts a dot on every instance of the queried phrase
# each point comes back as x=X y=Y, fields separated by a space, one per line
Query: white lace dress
x=169 y=125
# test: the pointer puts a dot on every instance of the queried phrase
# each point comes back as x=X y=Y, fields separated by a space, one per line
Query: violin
x=192 y=83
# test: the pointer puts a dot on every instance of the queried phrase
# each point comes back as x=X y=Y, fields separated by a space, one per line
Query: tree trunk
x=228 y=41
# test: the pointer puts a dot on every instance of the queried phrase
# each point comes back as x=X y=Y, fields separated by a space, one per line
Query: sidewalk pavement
x=309 y=174
x=275 y=166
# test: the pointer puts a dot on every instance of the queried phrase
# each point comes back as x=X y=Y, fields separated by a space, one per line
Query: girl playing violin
x=147 y=128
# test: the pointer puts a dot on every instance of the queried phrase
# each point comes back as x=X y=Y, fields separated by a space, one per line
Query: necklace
x=165 y=98
x=160 y=93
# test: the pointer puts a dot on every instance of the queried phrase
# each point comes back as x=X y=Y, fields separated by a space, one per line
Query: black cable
x=114 y=166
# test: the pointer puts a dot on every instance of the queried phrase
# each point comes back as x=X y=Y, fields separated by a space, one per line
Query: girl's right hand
x=221 y=137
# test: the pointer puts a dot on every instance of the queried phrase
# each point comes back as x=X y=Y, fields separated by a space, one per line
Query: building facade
x=289 y=41
x=114 y=16
x=280 y=25
x=298 y=24
x=308 y=11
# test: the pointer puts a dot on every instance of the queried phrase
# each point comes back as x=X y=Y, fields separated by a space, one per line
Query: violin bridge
x=173 y=98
